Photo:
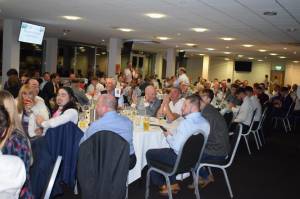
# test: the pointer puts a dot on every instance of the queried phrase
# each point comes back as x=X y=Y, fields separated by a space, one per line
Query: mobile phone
x=163 y=128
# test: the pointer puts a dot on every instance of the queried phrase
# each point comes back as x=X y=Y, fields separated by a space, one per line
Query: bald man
x=149 y=103
x=107 y=120
x=110 y=88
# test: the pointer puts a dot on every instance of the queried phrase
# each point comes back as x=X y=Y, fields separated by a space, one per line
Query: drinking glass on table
x=146 y=123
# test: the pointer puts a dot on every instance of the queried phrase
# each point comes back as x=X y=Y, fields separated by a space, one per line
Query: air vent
x=142 y=41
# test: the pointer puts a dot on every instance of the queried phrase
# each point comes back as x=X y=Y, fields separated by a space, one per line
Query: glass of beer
x=146 y=123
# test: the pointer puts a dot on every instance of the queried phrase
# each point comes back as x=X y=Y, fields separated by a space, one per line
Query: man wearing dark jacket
x=217 y=146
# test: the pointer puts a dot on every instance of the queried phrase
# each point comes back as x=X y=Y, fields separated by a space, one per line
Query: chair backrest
x=228 y=118
x=252 y=119
x=64 y=141
x=234 y=143
x=53 y=177
x=190 y=153
x=103 y=166
x=263 y=117
x=291 y=108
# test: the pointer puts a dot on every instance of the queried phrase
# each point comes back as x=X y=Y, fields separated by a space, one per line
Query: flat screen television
x=243 y=66
x=31 y=33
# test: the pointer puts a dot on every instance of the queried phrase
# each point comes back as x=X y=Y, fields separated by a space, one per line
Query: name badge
x=117 y=92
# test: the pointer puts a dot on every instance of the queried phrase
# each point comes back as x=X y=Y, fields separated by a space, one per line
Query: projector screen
x=31 y=33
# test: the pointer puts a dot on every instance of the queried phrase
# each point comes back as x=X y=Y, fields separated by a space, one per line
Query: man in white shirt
x=95 y=88
x=171 y=106
x=182 y=77
x=245 y=112
x=255 y=105
x=46 y=78
x=193 y=122
x=128 y=72
x=12 y=176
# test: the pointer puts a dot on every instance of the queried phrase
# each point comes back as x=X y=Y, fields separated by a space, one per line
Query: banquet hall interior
x=90 y=87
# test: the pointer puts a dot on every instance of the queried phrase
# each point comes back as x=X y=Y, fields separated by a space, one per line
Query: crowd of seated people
x=35 y=104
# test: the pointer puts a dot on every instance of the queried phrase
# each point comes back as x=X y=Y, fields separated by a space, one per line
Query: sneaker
x=164 y=189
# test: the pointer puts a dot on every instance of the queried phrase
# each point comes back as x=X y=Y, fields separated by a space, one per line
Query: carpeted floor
x=272 y=173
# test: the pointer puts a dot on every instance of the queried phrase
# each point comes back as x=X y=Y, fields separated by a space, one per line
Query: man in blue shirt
x=110 y=120
x=193 y=122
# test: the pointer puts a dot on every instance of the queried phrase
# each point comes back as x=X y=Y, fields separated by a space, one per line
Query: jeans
x=165 y=156
x=209 y=159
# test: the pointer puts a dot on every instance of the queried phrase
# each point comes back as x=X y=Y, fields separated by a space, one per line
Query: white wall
x=259 y=70
x=194 y=68
x=219 y=68
x=222 y=69
x=292 y=74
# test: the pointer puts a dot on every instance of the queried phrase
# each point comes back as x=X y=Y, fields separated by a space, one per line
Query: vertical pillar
x=114 y=55
x=171 y=61
x=205 y=67
x=50 y=55
x=11 y=46
x=158 y=65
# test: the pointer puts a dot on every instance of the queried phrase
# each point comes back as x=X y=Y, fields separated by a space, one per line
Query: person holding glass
x=28 y=107
x=13 y=140
x=171 y=106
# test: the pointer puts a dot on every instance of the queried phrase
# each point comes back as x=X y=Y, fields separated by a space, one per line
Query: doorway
x=277 y=77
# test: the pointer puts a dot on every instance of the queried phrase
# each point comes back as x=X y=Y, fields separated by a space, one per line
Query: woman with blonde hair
x=28 y=107
x=14 y=141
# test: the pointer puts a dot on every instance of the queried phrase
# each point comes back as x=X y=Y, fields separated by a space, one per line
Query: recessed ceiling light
x=155 y=15
x=250 y=58
x=247 y=45
x=200 y=29
x=227 y=38
x=227 y=53
x=103 y=40
x=240 y=56
x=296 y=61
x=227 y=47
x=163 y=38
x=260 y=60
x=273 y=54
x=181 y=51
x=270 y=13
x=177 y=46
x=210 y=49
x=72 y=18
x=284 y=48
x=295 y=52
x=226 y=59
x=125 y=29
x=190 y=44
x=282 y=57
x=262 y=50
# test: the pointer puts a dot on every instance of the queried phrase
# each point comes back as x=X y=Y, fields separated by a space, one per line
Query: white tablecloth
x=145 y=140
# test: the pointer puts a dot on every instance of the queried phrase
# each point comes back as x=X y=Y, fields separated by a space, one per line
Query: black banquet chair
x=187 y=160
x=101 y=172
